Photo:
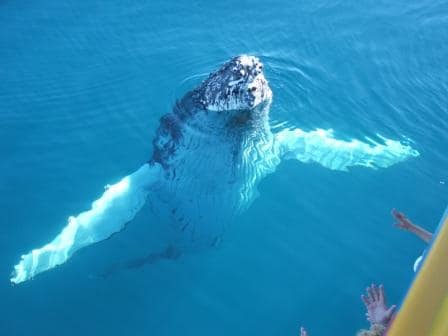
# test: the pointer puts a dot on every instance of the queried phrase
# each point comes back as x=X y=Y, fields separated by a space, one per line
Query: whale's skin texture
x=212 y=165
x=215 y=147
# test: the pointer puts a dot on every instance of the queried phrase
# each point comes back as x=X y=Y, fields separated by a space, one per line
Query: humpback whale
x=209 y=155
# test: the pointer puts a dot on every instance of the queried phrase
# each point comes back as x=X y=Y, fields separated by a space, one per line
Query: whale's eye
x=252 y=89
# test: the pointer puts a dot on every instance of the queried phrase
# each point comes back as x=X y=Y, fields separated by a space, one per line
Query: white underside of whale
x=118 y=205
x=322 y=147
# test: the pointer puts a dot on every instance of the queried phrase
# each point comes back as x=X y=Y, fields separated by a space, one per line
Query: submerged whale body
x=209 y=155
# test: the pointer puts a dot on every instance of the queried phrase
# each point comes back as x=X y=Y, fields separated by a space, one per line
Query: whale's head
x=239 y=84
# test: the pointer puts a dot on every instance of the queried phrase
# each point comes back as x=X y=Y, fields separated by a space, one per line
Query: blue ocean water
x=83 y=85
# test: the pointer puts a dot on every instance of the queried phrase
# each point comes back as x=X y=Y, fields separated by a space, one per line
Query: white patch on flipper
x=320 y=146
x=118 y=205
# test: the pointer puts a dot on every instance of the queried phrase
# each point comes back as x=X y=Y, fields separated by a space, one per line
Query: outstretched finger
x=366 y=300
x=396 y=213
x=370 y=293
x=391 y=310
x=378 y=293
x=373 y=292
x=382 y=294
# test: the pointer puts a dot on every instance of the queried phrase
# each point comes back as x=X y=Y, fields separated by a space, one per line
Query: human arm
x=405 y=224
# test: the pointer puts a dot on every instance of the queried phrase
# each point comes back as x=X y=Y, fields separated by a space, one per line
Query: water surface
x=82 y=88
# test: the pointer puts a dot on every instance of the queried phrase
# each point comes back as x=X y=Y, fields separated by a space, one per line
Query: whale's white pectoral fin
x=118 y=205
x=320 y=146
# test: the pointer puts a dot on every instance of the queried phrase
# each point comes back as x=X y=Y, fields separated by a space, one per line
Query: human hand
x=376 y=306
x=402 y=221
x=303 y=332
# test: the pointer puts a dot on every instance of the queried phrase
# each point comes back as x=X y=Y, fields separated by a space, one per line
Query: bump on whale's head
x=238 y=85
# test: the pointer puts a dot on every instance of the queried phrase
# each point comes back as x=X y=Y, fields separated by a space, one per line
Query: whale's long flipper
x=109 y=214
x=320 y=146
